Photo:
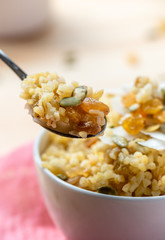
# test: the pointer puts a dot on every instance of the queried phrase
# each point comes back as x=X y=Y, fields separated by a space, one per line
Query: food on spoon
x=69 y=108
x=129 y=159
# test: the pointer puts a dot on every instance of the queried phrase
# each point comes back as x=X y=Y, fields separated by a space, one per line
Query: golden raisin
x=140 y=111
x=92 y=104
x=152 y=106
x=160 y=116
x=90 y=128
x=129 y=99
x=73 y=114
x=133 y=124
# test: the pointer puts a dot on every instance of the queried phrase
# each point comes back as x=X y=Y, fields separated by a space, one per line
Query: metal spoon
x=22 y=75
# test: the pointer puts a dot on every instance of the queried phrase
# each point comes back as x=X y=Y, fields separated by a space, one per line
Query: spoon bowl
x=22 y=75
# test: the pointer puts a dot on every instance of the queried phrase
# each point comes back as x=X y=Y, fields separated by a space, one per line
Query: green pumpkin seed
x=70 y=102
x=120 y=141
x=107 y=190
x=80 y=92
x=62 y=177
x=162 y=127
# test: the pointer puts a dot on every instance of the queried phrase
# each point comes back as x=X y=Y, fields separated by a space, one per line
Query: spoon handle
x=21 y=74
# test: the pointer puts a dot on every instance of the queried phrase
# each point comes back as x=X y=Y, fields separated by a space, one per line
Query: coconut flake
x=144 y=93
x=161 y=86
x=121 y=132
x=107 y=138
x=157 y=135
x=125 y=116
x=116 y=104
x=154 y=144
x=116 y=101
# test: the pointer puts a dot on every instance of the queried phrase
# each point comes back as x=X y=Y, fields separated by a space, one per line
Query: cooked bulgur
x=66 y=107
x=129 y=160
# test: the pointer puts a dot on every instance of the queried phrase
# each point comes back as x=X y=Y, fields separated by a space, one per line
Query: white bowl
x=23 y=17
x=85 y=215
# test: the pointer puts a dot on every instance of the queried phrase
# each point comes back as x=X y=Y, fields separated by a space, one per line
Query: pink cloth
x=23 y=215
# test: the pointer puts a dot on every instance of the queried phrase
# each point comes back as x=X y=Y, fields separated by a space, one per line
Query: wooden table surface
x=97 y=42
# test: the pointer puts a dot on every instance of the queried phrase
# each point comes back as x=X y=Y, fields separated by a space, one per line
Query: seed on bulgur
x=134 y=168
x=64 y=106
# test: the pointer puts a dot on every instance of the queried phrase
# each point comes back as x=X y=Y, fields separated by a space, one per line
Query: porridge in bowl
x=129 y=159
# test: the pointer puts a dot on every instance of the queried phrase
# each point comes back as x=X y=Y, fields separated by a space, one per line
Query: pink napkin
x=23 y=215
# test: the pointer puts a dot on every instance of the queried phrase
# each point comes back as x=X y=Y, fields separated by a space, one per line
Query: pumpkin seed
x=107 y=190
x=80 y=92
x=120 y=141
x=162 y=127
x=70 y=102
x=62 y=176
x=134 y=107
x=152 y=128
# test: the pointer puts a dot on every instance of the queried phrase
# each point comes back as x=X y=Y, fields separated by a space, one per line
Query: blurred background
x=102 y=43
